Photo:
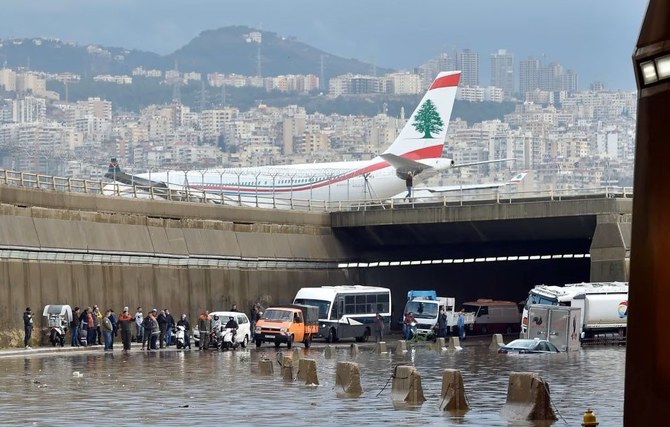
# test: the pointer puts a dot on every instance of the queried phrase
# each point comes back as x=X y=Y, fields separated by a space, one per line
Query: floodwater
x=172 y=387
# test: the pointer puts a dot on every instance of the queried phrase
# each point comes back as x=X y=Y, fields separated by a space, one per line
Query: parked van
x=287 y=324
x=494 y=317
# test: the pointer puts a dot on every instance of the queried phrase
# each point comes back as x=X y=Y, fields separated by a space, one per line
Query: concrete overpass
x=489 y=249
x=85 y=249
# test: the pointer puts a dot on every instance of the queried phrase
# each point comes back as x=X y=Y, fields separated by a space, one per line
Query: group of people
x=156 y=329
x=91 y=327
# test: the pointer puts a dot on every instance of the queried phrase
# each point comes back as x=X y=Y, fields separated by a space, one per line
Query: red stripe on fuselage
x=423 y=153
x=446 y=81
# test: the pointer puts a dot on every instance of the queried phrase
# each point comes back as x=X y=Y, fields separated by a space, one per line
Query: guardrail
x=186 y=194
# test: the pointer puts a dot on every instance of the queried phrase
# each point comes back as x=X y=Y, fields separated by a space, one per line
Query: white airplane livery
x=417 y=149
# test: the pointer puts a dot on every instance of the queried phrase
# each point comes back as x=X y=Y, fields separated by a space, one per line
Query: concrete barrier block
x=440 y=343
x=329 y=352
x=265 y=367
x=406 y=386
x=527 y=398
x=354 y=350
x=287 y=369
x=295 y=356
x=455 y=344
x=453 y=393
x=348 y=379
x=401 y=346
x=307 y=372
x=380 y=347
x=496 y=342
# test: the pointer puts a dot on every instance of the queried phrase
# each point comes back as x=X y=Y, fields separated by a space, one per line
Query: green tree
x=428 y=119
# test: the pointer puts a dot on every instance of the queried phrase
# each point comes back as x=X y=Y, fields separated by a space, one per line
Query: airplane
x=417 y=149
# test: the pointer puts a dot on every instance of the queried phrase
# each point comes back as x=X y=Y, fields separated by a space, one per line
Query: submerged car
x=525 y=346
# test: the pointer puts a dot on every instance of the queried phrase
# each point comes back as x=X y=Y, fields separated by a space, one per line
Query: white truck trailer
x=604 y=307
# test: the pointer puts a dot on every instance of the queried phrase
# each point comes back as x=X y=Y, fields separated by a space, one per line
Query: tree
x=428 y=119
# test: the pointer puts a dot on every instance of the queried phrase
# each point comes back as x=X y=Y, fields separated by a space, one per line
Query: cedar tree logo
x=427 y=119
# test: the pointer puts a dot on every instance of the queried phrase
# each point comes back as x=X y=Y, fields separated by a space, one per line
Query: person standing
x=126 y=324
x=409 y=183
x=162 y=327
x=379 y=328
x=234 y=307
x=255 y=310
x=91 y=330
x=460 y=323
x=169 y=328
x=139 y=329
x=74 y=327
x=97 y=319
x=146 y=334
x=442 y=324
x=204 y=326
x=107 y=330
x=155 y=330
x=27 y=327
x=115 y=325
x=83 y=327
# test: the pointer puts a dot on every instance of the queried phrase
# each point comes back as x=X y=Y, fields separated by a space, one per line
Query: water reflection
x=181 y=388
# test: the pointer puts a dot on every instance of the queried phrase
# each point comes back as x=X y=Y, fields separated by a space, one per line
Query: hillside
x=225 y=50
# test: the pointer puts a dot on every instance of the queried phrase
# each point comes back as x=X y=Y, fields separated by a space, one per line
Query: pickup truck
x=287 y=324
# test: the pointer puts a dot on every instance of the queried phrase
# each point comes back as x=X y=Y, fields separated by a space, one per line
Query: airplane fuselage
x=332 y=182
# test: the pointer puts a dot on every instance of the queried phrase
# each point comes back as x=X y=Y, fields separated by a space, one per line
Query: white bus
x=347 y=311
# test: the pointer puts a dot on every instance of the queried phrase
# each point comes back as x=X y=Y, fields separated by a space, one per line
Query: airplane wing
x=447 y=188
x=128 y=179
x=427 y=192
x=404 y=164
x=483 y=162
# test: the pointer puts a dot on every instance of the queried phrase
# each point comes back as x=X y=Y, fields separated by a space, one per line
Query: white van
x=494 y=317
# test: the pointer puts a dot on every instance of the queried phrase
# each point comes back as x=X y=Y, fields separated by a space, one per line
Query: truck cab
x=425 y=307
x=287 y=324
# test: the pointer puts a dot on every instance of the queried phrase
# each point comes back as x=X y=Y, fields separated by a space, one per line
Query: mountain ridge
x=226 y=50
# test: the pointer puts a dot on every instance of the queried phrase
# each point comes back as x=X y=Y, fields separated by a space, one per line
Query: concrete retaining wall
x=256 y=254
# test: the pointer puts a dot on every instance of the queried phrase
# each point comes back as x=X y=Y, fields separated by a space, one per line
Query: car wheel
x=509 y=330
x=289 y=343
x=484 y=330
x=331 y=336
x=308 y=341
x=245 y=341
x=258 y=343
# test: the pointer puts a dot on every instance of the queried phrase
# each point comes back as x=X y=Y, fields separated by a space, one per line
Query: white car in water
x=243 y=335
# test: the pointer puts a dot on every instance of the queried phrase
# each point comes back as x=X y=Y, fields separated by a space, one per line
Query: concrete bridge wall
x=65 y=248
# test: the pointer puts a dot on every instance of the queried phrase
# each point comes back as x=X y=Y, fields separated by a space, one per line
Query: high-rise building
x=502 y=71
x=468 y=62
x=529 y=71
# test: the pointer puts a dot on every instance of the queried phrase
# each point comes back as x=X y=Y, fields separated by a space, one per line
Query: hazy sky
x=596 y=38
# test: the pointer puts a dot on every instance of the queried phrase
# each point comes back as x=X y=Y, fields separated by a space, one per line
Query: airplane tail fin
x=424 y=133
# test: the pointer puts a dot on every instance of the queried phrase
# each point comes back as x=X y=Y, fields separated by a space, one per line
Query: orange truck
x=287 y=324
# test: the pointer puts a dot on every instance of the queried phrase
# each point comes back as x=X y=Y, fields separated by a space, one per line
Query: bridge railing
x=186 y=194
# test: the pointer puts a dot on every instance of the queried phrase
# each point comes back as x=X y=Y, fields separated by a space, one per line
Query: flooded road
x=172 y=387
